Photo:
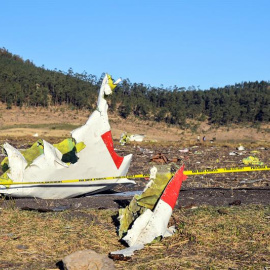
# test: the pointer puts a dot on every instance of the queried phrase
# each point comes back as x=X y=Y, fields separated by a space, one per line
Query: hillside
x=58 y=121
x=22 y=84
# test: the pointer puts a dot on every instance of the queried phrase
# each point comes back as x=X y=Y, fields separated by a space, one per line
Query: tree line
x=24 y=84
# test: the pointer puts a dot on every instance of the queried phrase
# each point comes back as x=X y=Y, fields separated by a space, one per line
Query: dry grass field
x=206 y=238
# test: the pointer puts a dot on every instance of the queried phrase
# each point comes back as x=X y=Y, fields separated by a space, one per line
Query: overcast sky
x=206 y=43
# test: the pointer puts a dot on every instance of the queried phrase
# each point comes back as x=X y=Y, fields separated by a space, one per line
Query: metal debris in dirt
x=147 y=216
x=160 y=159
x=251 y=160
x=126 y=138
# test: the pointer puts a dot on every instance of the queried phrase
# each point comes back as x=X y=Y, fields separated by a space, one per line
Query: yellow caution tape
x=71 y=181
x=194 y=172
x=228 y=170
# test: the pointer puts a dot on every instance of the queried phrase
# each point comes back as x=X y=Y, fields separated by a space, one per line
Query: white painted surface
x=95 y=161
x=149 y=225
x=136 y=138
x=127 y=252
x=17 y=162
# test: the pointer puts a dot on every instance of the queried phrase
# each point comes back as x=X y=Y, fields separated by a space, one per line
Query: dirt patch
x=211 y=189
x=58 y=121
x=188 y=198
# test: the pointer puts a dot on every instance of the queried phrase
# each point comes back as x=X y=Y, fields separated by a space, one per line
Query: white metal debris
x=153 y=223
x=98 y=159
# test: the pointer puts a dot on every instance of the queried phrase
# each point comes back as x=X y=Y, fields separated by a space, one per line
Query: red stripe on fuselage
x=107 y=139
x=171 y=192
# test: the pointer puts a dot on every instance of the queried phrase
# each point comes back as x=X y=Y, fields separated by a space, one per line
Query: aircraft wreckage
x=147 y=216
x=44 y=170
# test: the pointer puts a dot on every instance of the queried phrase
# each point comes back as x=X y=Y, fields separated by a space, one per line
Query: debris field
x=211 y=189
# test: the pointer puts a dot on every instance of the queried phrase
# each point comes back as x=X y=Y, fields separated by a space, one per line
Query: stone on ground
x=86 y=260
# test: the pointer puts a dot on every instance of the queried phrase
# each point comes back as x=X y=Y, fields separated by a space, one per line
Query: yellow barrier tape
x=72 y=181
x=194 y=172
x=228 y=170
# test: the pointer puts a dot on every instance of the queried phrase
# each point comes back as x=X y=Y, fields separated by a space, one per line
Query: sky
x=161 y=43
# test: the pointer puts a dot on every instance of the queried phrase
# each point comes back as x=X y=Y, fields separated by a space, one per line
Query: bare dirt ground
x=19 y=125
x=212 y=189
